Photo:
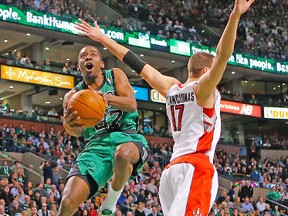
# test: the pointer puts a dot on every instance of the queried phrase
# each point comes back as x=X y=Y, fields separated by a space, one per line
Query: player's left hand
x=103 y=95
x=241 y=6
x=87 y=30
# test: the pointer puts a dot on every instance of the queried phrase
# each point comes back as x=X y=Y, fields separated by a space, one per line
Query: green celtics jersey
x=115 y=119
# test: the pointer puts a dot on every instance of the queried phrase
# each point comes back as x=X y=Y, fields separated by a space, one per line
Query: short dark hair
x=99 y=53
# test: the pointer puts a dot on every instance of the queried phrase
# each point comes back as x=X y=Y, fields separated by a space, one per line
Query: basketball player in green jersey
x=113 y=146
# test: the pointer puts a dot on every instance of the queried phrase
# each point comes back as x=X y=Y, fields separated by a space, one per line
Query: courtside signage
x=36 y=77
x=139 y=40
x=141 y=93
x=275 y=113
x=155 y=96
x=240 y=108
x=36 y=19
x=143 y=40
x=180 y=47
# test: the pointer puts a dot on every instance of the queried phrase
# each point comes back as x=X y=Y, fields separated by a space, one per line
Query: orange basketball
x=89 y=105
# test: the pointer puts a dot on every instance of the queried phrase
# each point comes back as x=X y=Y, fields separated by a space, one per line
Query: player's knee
x=122 y=155
x=67 y=202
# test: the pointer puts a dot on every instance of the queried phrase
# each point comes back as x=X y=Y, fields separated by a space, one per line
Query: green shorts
x=97 y=159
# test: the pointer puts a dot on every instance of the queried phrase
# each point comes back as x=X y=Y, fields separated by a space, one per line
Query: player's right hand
x=70 y=122
x=70 y=117
x=67 y=98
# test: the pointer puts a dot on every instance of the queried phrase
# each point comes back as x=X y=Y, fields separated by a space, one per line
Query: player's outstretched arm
x=155 y=79
x=209 y=81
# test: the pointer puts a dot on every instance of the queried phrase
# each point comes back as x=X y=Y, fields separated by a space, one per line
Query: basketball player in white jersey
x=189 y=183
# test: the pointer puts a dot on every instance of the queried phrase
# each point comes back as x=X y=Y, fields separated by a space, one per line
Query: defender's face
x=90 y=63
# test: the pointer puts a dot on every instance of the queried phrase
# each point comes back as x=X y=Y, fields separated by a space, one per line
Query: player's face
x=90 y=63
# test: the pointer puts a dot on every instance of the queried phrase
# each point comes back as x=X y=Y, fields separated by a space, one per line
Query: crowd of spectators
x=266 y=36
x=140 y=195
x=265 y=173
x=263 y=30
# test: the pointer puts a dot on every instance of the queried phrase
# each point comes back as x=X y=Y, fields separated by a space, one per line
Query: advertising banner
x=36 y=77
x=240 y=108
x=275 y=113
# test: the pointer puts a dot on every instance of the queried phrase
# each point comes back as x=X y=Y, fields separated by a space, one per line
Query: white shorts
x=188 y=186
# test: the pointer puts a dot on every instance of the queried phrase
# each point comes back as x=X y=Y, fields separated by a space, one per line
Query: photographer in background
x=47 y=167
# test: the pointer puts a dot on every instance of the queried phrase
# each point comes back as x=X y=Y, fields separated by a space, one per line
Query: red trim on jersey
x=205 y=122
x=209 y=111
x=188 y=158
x=205 y=142
x=180 y=85
x=200 y=191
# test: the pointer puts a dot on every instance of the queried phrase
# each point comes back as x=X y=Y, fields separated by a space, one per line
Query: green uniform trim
x=116 y=128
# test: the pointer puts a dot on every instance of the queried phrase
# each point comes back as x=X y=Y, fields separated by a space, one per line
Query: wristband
x=133 y=61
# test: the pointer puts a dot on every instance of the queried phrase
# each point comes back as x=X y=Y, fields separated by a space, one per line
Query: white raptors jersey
x=195 y=129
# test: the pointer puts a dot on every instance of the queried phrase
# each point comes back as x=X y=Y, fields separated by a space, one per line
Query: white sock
x=111 y=199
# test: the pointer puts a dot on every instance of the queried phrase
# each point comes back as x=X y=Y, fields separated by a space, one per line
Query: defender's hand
x=241 y=6
x=87 y=30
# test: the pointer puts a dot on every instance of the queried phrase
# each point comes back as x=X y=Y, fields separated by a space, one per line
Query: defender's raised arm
x=155 y=79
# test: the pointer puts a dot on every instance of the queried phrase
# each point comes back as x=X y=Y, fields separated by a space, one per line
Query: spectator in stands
x=2 y=211
x=11 y=58
x=26 y=62
x=47 y=170
x=66 y=68
x=268 y=210
x=21 y=195
x=42 y=142
x=47 y=65
x=5 y=169
x=139 y=211
x=255 y=175
x=238 y=97
x=261 y=205
x=61 y=161
x=221 y=198
x=147 y=209
x=6 y=196
x=154 y=212
x=44 y=210
x=247 y=206
x=235 y=212
x=37 y=111
x=253 y=99
x=15 y=208
x=52 y=112
x=92 y=211
x=274 y=194
x=245 y=190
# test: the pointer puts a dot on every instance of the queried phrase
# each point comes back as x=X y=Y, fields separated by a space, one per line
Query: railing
x=54 y=69
x=24 y=116
x=283 y=207
x=8 y=157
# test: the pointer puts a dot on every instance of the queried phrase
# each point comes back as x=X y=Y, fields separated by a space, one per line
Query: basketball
x=89 y=105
